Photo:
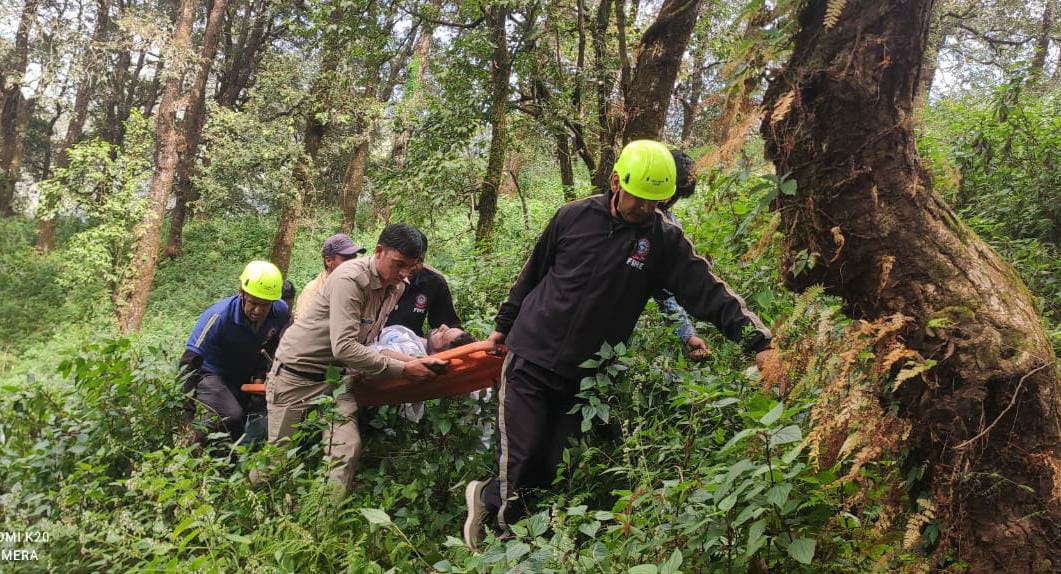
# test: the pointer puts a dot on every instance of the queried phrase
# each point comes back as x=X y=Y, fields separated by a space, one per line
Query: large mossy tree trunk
x=130 y=300
x=500 y=69
x=986 y=416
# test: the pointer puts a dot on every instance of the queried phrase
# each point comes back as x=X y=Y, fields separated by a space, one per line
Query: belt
x=315 y=377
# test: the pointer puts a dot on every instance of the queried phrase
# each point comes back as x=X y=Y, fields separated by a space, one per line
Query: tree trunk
x=313 y=136
x=85 y=90
x=111 y=129
x=938 y=33
x=500 y=68
x=11 y=100
x=49 y=154
x=242 y=61
x=354 y=183
x=691 y=106
x=1042 y=42
x=605 y=115
x=151 y=92
x=131 y=296
x=986 y=415
x=284 y=239
x=194 y=119
x=423 y=62
x=567 y=173
x=659 y=57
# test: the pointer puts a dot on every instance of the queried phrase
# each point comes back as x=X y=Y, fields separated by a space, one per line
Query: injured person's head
x=445 y=337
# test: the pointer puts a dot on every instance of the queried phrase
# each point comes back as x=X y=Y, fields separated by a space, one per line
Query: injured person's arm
x=393 y=354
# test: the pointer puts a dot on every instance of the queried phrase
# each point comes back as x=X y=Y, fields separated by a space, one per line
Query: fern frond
x=782 y=106
x=832 y=13
x=917 y=521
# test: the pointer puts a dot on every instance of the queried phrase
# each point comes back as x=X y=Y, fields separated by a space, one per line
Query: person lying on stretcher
x=402 y=343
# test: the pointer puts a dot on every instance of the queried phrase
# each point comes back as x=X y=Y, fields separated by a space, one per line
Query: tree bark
x=423 y=62
x=131 y=296
x=312 y=138
x=353 y=184
x=939 y=31
x=76 y=125
x=287 y=227
x=691 y=105
x=567 y=173
x=378 y=88
x=986 y=415
x=500 y=69
x=11 y=102
x=659 y=57
x=241 y=61
x=112 y=130
x=605 y=115
x=1042 y=42
x=194 y=119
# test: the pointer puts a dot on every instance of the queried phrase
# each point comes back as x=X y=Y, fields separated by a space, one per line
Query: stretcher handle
x=254 y=388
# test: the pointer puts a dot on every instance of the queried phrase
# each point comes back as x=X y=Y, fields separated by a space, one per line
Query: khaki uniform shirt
x=308 y=292
x=336 y=326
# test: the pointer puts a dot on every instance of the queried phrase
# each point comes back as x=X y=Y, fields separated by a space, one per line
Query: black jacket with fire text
x=588 y=281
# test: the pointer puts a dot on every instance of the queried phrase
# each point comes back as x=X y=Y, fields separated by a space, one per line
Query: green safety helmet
x=646 y=170
x=262 y=280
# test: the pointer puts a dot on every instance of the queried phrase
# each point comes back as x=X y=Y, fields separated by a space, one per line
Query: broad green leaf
x=672 y=564
x=644 y=569
x=778 y=494
x=538 y=524
x=757 y=528
x=589 y=528
x=788 y=187
x=786 y=435
x=376 y=516
x=772 y=416
x=515 y=549
x=802 y=550
x=743 y=434
x=724 y=402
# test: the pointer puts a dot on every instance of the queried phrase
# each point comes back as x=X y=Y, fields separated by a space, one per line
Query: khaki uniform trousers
x=290 y=397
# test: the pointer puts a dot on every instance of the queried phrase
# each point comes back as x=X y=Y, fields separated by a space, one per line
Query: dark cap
x=340 y=244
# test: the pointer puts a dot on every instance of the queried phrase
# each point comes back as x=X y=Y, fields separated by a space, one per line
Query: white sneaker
x=473 y=525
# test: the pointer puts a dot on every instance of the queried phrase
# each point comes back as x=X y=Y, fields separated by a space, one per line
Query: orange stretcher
x=471 y=368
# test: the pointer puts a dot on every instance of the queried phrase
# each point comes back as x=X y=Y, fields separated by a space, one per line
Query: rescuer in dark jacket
x=587 y=281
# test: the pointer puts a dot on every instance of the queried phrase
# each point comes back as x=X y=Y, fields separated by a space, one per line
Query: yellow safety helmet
x=646 y=169
x=262 y=280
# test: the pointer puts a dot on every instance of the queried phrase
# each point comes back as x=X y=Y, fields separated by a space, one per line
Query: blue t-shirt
x=228 y=343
